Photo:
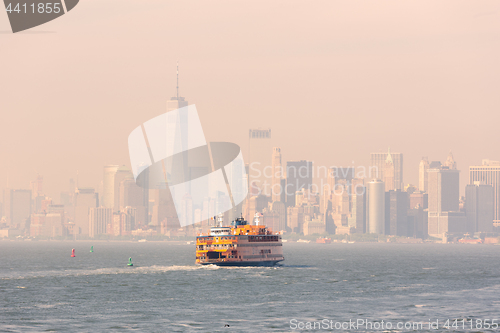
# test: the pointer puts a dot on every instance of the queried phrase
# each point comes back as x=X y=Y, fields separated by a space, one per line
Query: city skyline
x=122 y=208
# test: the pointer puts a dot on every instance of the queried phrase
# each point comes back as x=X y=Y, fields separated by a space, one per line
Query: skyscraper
x=108 y=197
x=479 y=207
x=396 y=213
x=378 y=167
x=99 y=218
x=358 y=210
x=376 y=206
x=489 y=174
x=443 y=190
x=164 y=211
x=298 y=177
x=37 y=187
x=338 y=189
x=19 y=205
x=450 y=162
x=389 y=174
x=121 y=174
x=132 y=195
x=277 y=175
x=113 y=176
x=422 y=174
x=342 y=173
x=177 y=101
x=85 y=198
x=443 y=200
x=259 y=155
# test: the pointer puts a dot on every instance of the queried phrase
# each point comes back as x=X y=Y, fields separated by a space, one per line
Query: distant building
x=277 y=170
x=116 y=225
x=99 y=218
x=85 y=198
x=396 y=213
x=128 y=218
x=345 y=230
x=343 y=173
x=479 y=207
x=37 y=186
x=489 y=174
x=295 y=218
x=389 y=174
x=358 y=208
x=132 y=195
x=314 y=226
x=378 y=165
x=418 y=199
x=177 y=101
x=271 y=220
x=37 y=224
x=443 y=190
x=443 y=202
x=108 y=195
x=283 y=192
x=340 y=182
x=376 y=206
x=49 y=223
x=259 y=149
x=417 y=223
x=121 y=174
x=450 y=162
x=18 y=208
x=163 y=210
x=279 y=209
x=298 y=176
x=422 y=174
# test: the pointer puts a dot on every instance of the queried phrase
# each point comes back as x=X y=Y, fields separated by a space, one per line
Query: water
x=43 y=289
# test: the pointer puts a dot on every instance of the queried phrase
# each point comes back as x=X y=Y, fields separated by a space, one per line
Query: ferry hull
x=243 y=263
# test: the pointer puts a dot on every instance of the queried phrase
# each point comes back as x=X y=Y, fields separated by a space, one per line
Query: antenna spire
x=177 y=80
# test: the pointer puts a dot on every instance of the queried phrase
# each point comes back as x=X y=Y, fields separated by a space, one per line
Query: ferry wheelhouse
x=240 y=244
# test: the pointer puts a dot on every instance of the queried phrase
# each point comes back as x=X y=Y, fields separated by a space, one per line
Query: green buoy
x=92 y=249
x=130 y=262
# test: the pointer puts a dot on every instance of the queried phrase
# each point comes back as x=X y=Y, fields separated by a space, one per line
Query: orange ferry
x=323 y=240
x=240 y=244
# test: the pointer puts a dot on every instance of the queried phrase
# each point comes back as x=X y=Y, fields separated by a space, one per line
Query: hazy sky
x=334 y=80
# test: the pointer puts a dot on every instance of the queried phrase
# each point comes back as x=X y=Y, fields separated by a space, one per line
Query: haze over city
x=334 y=81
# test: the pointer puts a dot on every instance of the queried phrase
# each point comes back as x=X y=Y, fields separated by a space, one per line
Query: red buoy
x=73 y=253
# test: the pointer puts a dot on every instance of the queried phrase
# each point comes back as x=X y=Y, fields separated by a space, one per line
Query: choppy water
x=43 y=289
